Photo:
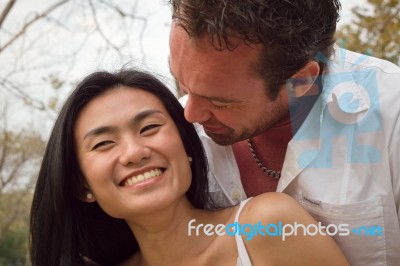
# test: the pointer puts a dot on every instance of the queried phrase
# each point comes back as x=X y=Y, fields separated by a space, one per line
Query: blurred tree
x=374 y=31
x=14 y=244
x=46 y=42
x=19 y=154
x=41 y=47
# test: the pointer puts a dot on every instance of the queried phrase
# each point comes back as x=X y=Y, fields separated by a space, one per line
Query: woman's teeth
x=142 y=177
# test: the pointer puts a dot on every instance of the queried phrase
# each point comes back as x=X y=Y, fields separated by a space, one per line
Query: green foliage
x=19 y=155
x=375 y=30
x=13 y=248
x=14 y=241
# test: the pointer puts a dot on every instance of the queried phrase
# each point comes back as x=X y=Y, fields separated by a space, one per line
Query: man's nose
x=197 y=109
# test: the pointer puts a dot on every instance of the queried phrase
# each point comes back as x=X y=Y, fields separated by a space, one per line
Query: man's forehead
x=211 y=43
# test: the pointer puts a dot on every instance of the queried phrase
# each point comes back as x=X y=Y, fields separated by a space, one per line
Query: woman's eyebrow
x=144 y=114
x=99 y=130
x=110 y=129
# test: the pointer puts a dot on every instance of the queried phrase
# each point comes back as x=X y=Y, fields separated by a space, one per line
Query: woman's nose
x=133 y=152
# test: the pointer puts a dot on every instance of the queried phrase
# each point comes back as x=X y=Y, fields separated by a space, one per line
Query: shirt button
x=337 y=210
x=236 y=195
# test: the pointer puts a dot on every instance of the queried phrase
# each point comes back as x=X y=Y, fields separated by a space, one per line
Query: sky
x=155 y=40
x=50 y=50
x=55 y=51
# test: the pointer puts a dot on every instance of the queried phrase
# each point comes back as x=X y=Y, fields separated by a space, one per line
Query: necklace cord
x=268 y=172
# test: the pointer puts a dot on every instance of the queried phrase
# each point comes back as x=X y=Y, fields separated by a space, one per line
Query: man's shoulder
x=349 y=60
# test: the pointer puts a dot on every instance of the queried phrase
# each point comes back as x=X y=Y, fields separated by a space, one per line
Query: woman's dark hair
x=292 y=32
x=67 y=231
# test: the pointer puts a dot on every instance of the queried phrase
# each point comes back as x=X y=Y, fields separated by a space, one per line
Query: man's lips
x=214 y=129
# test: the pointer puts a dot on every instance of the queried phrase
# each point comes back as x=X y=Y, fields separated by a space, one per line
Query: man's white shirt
x=343 y=163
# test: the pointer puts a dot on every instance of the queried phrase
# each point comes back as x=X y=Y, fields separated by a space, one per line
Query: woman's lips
x=143 y=177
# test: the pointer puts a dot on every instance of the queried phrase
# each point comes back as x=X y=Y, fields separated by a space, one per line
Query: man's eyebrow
x=111 y=129
x=209 y=98
x=216 y=98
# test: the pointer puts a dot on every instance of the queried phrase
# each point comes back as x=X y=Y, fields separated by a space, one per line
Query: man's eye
x=149 y=128
x=219 y=106
x=181 y=90
x=101 y=144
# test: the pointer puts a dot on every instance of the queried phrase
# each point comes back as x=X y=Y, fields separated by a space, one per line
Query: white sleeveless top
x=243 y=258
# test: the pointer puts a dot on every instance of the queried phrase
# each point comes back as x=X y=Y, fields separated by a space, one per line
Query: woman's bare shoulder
x=272 y=215
x=274 y=207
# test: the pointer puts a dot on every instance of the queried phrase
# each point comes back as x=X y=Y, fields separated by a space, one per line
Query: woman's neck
x=163 y=236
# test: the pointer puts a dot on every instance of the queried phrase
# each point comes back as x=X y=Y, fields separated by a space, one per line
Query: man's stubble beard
x=261 y=127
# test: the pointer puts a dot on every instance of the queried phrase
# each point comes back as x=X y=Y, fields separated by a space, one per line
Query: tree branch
x=6 y=11
x=4 y=138
x=12 y=176
x=21 y=94
x=99 y=28
x=31 y=22
x=123 y=14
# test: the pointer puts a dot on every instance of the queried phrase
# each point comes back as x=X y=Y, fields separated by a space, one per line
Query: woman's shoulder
x=272 y=207
x=271 y=217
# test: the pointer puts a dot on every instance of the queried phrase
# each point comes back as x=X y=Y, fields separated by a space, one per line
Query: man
x=280 y=107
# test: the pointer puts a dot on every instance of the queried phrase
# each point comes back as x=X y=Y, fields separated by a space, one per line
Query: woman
x=122 y=159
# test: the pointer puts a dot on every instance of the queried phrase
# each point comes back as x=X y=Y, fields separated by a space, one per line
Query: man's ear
x=302 y=83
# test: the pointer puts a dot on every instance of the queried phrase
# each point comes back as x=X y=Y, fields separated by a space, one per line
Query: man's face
x=225 y=93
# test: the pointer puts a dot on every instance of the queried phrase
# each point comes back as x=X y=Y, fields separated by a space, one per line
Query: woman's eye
x=149 y=128
x=101 y=144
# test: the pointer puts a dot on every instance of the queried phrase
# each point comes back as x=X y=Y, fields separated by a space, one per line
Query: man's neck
x=270 y=149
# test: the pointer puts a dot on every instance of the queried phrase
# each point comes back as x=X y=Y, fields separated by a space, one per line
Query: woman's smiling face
x=130 y=153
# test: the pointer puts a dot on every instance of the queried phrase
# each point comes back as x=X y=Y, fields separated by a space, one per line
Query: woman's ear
x=86 y=194
x=302 y=83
